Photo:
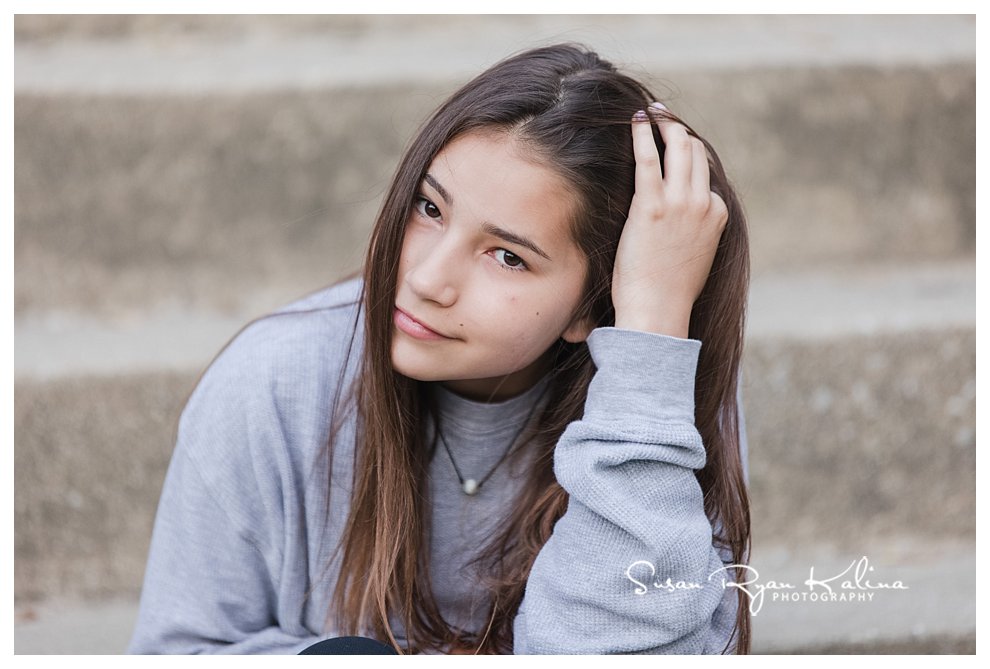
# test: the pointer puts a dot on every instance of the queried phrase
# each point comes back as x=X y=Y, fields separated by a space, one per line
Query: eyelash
x=420 y=204
x=521 y=267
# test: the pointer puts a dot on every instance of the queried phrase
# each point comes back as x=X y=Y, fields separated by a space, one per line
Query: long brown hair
x=573 y=110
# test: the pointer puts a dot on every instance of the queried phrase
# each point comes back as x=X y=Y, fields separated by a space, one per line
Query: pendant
x=470 y=487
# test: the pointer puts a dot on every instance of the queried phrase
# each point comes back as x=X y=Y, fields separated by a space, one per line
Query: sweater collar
x=465 y=415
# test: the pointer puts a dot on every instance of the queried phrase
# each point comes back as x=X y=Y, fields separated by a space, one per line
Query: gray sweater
x=240 y=558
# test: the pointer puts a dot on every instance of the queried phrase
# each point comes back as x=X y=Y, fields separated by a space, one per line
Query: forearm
x=628 y=467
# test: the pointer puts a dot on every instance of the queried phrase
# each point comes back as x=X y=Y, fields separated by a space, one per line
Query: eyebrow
x=487 y=227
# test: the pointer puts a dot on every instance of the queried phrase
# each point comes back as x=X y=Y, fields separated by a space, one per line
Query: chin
x=412 y=374
x=422 y=371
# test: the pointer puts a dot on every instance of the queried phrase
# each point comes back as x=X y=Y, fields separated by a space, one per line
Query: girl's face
x=489 y=266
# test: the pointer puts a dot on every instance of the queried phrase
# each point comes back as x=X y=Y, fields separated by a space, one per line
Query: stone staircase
x=177 y=176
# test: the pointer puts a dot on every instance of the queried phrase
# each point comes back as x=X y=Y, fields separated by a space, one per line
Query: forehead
x=493 y=177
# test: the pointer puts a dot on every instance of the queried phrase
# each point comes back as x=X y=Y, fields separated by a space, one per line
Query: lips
x=412 y=325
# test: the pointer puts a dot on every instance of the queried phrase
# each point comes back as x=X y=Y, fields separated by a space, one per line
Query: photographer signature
x=836 y=588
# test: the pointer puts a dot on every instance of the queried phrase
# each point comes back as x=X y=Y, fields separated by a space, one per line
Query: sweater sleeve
x=208 y=587
x=635 y=516
x=216 y=564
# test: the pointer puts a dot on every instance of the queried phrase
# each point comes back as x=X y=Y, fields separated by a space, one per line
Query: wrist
x=671 y=325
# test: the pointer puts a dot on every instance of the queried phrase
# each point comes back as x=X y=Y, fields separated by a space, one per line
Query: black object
x=349 y=645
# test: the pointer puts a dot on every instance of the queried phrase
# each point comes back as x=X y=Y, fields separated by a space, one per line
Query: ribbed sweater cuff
x=641 y=374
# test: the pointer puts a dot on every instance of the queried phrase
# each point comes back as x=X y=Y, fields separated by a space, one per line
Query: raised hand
x=669 y=240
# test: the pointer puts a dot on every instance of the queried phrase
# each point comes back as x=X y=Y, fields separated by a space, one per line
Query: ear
x=578 y=330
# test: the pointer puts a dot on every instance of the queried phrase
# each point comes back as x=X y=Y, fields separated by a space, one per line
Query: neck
x=501 y=388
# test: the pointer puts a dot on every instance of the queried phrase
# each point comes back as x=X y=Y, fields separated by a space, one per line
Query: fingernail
x=658 y=105
x=639 y=116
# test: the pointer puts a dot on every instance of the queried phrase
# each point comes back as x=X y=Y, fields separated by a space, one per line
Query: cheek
x=528 y=324
x=407 y=247
x=411 y=251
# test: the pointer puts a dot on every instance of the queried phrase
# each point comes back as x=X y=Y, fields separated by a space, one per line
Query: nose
x=431 y=273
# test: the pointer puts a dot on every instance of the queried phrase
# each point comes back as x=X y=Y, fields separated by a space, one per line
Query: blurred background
x=176 y=176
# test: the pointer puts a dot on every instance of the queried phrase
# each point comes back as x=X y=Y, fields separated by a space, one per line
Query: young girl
x=517 y=432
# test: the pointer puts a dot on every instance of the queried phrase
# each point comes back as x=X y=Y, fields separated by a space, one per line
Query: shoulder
x=301 y=342
x=271 y=388
x=324 y=318
x=338 y=297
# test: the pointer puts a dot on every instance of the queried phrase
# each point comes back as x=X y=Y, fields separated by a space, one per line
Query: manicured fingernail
x=658 y=105
x=639 y=116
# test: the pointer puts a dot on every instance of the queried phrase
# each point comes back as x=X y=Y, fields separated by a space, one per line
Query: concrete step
x=877 y=400
x=207 y=200
x=156 y=189
x=819 y=303
x=89 y=462
x=177 y=176
x=146 y=54
x=935 y=615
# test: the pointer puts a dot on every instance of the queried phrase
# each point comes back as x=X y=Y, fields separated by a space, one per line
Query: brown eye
x=427 y=208
x=509 y=260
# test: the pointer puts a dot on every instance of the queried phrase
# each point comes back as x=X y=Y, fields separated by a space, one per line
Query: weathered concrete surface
x=89 y=462
x=861 y=438
x=852 y=440
x=190 y=54
x=819 y=304
x=209 y=201
x=936 y=614
x=228 y=177
x=860 y=408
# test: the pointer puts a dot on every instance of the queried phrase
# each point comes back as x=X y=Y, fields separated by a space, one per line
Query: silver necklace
x=472 y=486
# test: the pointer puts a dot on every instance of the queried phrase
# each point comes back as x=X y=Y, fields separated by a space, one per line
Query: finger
x=649 y=174
x=678 y=151
x=718 y=207
x=700 y=173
